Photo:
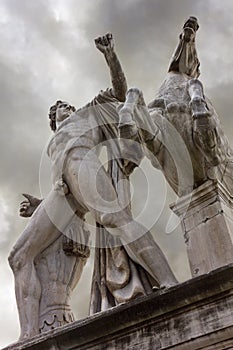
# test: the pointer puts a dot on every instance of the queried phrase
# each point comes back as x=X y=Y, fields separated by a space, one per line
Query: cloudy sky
x=47 y=53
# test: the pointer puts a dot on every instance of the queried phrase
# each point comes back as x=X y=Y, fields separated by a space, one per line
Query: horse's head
x=185 y=59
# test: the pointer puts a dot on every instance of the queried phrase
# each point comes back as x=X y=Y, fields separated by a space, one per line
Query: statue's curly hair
x=52 y=114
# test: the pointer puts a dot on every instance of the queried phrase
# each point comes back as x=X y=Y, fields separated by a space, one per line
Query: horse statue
x=181 y=134
x=180 y=130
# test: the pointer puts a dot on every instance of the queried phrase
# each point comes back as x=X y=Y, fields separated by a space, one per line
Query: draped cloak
x=116 y=277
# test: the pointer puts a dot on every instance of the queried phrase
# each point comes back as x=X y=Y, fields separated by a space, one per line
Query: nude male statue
x=80 y=184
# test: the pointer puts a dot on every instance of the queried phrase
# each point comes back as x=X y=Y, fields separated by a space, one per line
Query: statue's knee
x=107 y=220
x=195 y=82
x=16 y=260
x=61 y=187
x=197 y=100
x=115 y=220
x=12 y=259
x=196 y=92
x=134 y=91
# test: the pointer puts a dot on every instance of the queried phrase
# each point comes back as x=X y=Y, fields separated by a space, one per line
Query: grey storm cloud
x=47 y=53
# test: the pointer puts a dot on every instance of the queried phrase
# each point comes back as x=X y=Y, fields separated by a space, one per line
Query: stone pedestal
x=194 y=315
x=207 y=221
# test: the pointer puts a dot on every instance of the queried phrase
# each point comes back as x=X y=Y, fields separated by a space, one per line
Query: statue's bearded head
x=58 y=112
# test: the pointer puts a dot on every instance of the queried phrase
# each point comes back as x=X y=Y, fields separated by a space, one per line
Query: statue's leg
x=37 y=236
x=59 y=274
x=127 y=126
x=27 y=292
x=204 y=125
x=198 y=103
x=141 y=247
x=91 y=185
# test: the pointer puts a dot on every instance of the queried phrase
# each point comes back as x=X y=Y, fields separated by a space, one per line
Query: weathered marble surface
x=180 y=133
x=59 y=268
x=194 y=315
x=183 y=137
x=180 y=130
x=207 y=222
x=81 y=185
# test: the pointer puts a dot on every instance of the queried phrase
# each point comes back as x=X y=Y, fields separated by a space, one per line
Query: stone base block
x=207 y=222
x=194 y=315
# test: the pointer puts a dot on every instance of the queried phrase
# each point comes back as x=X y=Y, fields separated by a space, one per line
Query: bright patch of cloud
x=4 y=223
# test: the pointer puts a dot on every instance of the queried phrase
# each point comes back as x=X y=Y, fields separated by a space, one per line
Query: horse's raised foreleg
x=198 y=103
x=205 y=133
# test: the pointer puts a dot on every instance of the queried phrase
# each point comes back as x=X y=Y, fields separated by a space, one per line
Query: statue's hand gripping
x=105 y=44
x=27 y=207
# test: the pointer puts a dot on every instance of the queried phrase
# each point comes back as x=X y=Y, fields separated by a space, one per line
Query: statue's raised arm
x=105 y=44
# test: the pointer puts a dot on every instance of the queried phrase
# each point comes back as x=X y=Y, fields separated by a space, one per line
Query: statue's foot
x=168 y=284
x=27 y=335
x=165 y=285
x=24 y=337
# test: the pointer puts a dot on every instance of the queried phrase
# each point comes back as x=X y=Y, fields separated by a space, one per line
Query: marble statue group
x=179 y=131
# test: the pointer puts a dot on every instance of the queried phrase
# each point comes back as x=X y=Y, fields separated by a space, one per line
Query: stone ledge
x=196 y=314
